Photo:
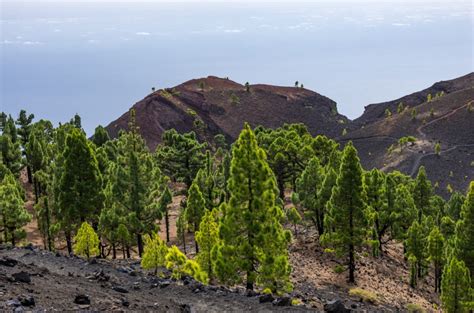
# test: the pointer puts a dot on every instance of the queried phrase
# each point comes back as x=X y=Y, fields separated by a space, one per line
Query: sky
x=98 y=58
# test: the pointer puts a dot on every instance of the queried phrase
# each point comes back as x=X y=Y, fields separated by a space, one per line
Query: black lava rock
x=82 y=299
x=8 y=262
x=266 y=298
x=22 y=277
x=283 y=301
x=336 y=306
x=27 y=301
x=120 y=289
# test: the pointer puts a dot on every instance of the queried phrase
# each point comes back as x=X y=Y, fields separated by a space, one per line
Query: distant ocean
x=98 y=59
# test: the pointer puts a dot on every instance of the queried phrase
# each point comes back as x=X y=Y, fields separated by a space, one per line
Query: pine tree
x=207 y=238
x=177 y=262
x=437 y=148
x=195 y=207
x=377 y=211
x=24 y=123
x=180 y=156
x=101 y=136
x=10 y=153
x=308 y=187
x=154 y=255
x=415 y=246
x=465 y=232
x=422 y=193
x=293 y=217
x=165 y=200
x=454 y=205
x=136 y=184
x=38 y=151
x=436 y=254
x=87 y=241
x=81 y=196
x=345 y=222
x=455 y=287
x=124 y=238
x=253 y=242
x=405 y=212
x=13 y=214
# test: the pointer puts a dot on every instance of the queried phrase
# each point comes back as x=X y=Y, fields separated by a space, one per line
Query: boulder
x=335 y=306
x=82 y=299
x=266 y=298
x=27 y=301
x=119 y=289
x=22 y=277
x=8 y=262
x=283 y=301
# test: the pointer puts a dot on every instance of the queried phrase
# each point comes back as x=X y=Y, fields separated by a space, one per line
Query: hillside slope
x=376 y=112
x=213 y=105
x=448 y=120
x=223 y=106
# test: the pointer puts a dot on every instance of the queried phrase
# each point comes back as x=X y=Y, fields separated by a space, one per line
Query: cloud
x=19 y=42
x=142 y=34
x=93 y=41
x=400 y=24
x=32 y=43
x=233 y=31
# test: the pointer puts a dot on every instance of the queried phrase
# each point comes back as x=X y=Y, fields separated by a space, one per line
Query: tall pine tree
x=253 y=244
x=345 y=222
x=81 y=196
x=464 y=241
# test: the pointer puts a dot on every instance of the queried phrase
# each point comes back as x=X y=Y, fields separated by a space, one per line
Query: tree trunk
x=30 y=176
x=351 y=264
x=351 y=248
x=12 y=231
x=140 y=245
x=281 y=187
x=249 y=285
x=48 y=222
x=68 y=242
x=184 y=242
x=195 y=241
x=114 y=252
x=128 y=252
x=167 y=222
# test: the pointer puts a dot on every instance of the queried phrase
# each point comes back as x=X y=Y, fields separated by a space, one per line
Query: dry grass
x=363 y=295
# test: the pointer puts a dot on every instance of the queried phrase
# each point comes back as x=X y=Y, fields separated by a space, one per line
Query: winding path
x=423 y=136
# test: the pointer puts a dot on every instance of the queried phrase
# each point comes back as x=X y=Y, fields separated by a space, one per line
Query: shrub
x=415 y=308
x=364 y=295
x=87 y=241
x=338 y=269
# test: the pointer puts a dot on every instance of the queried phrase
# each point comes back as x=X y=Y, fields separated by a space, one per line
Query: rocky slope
x=213 y=105
x=222 y=106
x=447 y=120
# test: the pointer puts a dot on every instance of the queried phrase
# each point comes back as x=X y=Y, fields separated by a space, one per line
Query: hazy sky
x=97 y=58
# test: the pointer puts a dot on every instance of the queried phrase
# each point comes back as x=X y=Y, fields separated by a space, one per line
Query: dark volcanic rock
x=283 y=301
x=120 y=289
x=266 y=298
x=82 y=299
x=27 y=301
x=335 y=306
x=22 y=277
x=8 y=262
x=14 y=303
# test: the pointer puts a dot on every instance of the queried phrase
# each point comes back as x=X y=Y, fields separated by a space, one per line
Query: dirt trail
x=423 y=137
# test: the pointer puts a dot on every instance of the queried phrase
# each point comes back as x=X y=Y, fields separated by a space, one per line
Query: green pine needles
x=254 y=245
x=345 y=222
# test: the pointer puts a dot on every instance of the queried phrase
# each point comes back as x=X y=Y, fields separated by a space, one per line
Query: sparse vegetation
x=415 y=308
x=234 y=207
x=363 y=295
